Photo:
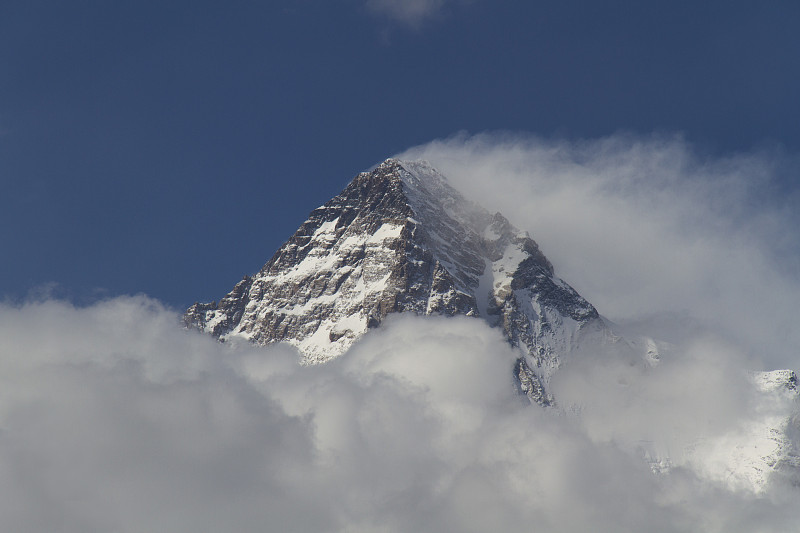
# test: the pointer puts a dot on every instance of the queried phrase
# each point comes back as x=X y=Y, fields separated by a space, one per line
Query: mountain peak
x=400 y=239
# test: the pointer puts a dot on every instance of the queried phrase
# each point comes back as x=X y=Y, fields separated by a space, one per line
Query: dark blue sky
x=170 y=147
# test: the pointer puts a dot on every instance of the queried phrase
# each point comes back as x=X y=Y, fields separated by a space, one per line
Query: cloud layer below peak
x=114 y=418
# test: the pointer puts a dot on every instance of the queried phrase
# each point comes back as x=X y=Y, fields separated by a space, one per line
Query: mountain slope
x=400 y=239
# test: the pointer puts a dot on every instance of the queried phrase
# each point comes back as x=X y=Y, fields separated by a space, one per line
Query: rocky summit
x=400 y=239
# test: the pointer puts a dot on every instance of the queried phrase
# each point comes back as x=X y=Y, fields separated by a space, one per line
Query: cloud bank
x=114 y=419
x=649 y=226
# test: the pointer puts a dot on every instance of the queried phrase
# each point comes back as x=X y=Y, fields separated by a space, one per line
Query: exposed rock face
x=400 y=239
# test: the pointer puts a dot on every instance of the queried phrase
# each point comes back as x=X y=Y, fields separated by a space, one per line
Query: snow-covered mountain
x=400 y=239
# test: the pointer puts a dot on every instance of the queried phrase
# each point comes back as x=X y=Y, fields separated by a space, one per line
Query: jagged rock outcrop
x=400 y=239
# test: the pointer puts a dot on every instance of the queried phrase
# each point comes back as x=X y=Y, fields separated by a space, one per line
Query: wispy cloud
x=411 y=12
x=647 y=225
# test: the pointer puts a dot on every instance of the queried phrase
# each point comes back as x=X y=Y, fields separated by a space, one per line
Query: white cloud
x=113 y=418
x=647 y=226
x=410 y=12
